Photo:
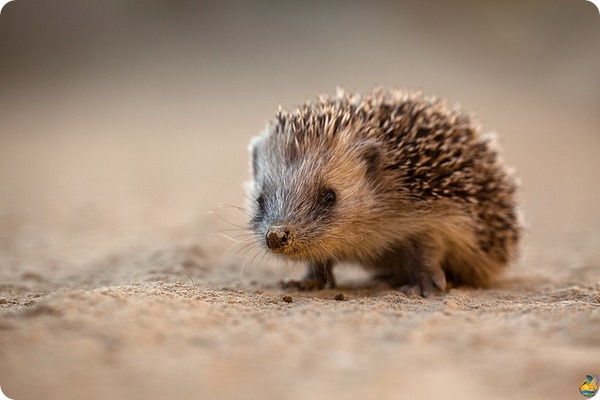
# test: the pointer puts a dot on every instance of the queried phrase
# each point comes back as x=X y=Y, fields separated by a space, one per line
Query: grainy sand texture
x=123 y=125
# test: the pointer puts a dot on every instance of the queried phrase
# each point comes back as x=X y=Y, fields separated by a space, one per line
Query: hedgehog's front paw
x=303 y=284
x=317 y=276
x=426 y=285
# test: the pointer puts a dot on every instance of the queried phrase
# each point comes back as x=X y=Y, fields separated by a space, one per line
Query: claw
x=427 y=286
x=439 y=279
x=410 y=290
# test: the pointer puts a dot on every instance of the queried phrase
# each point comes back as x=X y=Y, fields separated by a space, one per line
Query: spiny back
x=433 y=151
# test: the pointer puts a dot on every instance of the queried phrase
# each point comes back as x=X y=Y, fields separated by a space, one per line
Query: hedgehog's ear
x=371 y=155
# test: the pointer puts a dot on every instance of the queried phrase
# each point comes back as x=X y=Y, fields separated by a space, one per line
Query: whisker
x=188 y=275
x=229 y=205
x=253 y=199
x=333 y=256
x=244 y=248
x=265 y=252
x=223 y=219
x=260 y=250
x=229 y=238
x=242 y=209
x=245 y=235
x=227 y=230
x=244 y=264
x=242 y=185
x=225 y=259
x=237 y=238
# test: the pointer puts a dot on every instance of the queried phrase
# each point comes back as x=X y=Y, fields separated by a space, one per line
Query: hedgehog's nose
x=278 y=237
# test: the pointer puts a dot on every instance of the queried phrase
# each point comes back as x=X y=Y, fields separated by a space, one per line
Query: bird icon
x=589 y=387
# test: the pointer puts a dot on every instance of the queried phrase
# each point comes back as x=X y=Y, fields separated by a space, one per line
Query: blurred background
x=125 y=122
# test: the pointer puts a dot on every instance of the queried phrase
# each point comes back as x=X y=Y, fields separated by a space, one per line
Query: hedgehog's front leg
x=317 y=276
x=415 y=268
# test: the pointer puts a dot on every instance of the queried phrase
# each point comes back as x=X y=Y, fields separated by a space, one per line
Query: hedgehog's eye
x=328 y=197
x=260 y=200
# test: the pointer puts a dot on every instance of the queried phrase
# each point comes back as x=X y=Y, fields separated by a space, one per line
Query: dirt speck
x=287 y=299
x=341 y=297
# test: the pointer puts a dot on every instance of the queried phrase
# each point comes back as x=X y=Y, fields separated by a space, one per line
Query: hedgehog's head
x=314 y=195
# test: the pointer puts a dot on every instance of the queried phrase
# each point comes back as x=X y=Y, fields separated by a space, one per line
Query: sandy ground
x=115 y=282
x=132 y=325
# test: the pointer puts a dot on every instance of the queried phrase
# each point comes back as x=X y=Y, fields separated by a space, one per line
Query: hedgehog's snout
x=278 y=238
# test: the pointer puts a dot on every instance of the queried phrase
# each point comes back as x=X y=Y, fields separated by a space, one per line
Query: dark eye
x=260 y=200
x=328 y=197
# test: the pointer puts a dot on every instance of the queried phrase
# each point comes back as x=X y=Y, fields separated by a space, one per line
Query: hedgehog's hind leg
x=414 y=268
x=317 y=276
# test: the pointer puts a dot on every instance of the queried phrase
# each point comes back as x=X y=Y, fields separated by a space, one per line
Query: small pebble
x=287 y=299
x=341 y=297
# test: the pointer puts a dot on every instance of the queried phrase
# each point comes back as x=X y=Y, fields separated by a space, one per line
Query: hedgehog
x=395 y=181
